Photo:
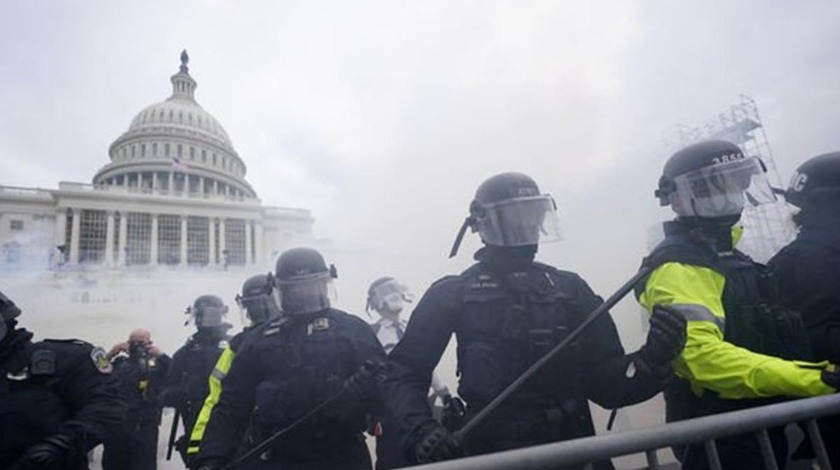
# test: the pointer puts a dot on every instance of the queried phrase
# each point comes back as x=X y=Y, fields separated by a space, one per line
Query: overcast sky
x=383 y=117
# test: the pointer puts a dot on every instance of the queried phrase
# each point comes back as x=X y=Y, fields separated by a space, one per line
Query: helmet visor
x=208 y=317
x=254 y=308
x=520 y=221
x=302 y=295
x=721 y=190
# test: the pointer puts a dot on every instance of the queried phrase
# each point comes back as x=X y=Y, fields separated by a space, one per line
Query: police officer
x=387 y=297
x=806 y=270
x=256 y=305
x=186 y=384
x=141 y=368
x=507 y=311
x=740 y=339
x=289 y=366
x=58 y=399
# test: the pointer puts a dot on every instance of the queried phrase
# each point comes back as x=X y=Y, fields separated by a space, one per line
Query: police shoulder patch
x=100 y=360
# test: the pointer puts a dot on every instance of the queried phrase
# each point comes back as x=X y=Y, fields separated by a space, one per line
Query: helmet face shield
x=209 y=317
x=305 y=294
x=721 y=190
x=254 y=308
x=518 y=221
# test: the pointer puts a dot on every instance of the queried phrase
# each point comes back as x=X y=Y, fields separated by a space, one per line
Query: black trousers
x=389 y=451
x=739 y=452
x=347 y=453
x=132 y=447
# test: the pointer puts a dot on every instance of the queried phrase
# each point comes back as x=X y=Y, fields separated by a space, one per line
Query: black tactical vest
x=305 y=362
x=506 y=324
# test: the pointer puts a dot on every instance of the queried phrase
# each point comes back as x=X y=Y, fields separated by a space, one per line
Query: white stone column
x=60 y=227
x=215 y=187
x=248 y=243
x=74 y=236
x=184 y=240
x=121 y=253
x=222 y=242
x=200 y=185
x=211 y=241
x=153 y=253
x=258 y=243
x=154 y=181
x=109 y=239
x=171 y=182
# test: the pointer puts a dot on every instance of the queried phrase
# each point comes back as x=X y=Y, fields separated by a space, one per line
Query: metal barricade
x=706 y=429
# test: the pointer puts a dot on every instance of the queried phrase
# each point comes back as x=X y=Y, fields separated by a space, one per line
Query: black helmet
x=712 y=179
x=208 y=311
x=8 y=312
x=8 y=309
x=386 y=294
x=815 y=187
x=508 y=210
x=303 y=281
x=256 y=301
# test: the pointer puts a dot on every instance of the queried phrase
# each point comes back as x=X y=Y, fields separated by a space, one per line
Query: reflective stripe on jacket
x=215 y=381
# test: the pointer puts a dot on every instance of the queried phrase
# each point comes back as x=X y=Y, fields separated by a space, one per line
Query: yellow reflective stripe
x=215 y=382
x=709 y=362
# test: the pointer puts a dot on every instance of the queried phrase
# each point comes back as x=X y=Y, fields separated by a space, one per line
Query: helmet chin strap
x=460 y=237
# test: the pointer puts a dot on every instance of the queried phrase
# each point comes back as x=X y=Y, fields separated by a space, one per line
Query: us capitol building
x=173 y=194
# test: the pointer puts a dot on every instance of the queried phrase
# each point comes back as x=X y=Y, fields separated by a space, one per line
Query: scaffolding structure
x=768 y=227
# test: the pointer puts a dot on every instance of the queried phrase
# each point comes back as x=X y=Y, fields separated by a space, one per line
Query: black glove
x=208 y=464
x=666 y=338
x=452 y=415
x=51 y=453
x=437 y=445
x=831 y=376
x=363 y=381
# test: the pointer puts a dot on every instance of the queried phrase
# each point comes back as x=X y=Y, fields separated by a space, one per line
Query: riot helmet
x=815 y=187
x=303 y=281
x=387 y=296
x=8 y=312
x=256 y=302
x=713 y=179
x=208 y=311
x=508 y=210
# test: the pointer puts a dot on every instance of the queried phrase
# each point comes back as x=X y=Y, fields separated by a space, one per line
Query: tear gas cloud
x=384 y=117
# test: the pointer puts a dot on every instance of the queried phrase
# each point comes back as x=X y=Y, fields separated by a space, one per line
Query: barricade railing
x=585 y=451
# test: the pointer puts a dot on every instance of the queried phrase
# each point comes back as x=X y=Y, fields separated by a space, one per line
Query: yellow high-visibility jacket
x=710 y=363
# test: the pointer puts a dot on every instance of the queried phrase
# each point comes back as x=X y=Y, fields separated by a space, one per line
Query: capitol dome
x=175 y=146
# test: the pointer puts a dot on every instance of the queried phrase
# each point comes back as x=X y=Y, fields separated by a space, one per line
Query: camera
x=139 y=352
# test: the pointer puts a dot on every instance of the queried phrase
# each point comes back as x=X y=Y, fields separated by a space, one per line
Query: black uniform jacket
x=807 y=276
x=490 y=317
x=141 y=385
x=287 y=367
x=55 y=387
